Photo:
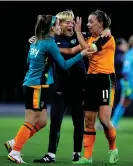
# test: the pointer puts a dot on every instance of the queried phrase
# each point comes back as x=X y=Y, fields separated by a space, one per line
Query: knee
x=42 y=124
x=31 y=117
x=89 y=122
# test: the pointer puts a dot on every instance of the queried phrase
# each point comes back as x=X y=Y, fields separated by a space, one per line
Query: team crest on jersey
x=73 y=41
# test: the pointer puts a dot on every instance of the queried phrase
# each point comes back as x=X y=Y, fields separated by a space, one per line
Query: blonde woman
x=68 y=90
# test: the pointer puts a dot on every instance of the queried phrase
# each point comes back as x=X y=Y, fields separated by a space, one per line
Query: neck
x=96 y=34
x=49 y=35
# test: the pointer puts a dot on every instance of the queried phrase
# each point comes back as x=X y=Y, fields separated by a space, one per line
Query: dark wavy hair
x=102 y=17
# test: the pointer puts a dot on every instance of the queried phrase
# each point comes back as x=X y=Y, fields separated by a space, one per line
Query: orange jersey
x=102 y=61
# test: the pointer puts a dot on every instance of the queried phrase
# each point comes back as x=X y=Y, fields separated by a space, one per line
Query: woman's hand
x=32 y=39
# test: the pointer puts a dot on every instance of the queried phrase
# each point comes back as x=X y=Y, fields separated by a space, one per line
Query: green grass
x=37 y=145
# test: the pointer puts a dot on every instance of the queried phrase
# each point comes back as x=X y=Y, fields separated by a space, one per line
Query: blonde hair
x=65 y=15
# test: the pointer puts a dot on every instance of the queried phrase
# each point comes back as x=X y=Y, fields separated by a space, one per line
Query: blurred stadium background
x=17 y=25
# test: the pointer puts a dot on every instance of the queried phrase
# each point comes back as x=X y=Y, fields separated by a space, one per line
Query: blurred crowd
x=122 y=47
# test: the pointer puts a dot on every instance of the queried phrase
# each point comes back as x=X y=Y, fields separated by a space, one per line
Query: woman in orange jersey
x=100 y=84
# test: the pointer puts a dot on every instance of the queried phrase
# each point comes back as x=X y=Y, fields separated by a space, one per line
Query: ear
x=100 y=24
x=52 y=28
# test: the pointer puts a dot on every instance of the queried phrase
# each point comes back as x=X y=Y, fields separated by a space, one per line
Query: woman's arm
x=55 y=53
x=71 y=51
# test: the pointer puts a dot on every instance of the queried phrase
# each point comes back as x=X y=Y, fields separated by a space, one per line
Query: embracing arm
x=71 y=51
x=55 y=53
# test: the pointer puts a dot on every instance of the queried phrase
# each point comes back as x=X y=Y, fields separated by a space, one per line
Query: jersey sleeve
x=55 y=53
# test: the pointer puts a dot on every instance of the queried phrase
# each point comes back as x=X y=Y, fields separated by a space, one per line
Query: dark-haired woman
x=100 y=85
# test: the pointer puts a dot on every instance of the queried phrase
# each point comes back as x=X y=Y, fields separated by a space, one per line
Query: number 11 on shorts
x=105 y=94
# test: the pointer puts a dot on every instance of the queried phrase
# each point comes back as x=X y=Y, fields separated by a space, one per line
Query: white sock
x=76 y=153
x=51 y=155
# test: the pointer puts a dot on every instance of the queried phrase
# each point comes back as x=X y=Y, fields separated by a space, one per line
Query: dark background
x=17 y=20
